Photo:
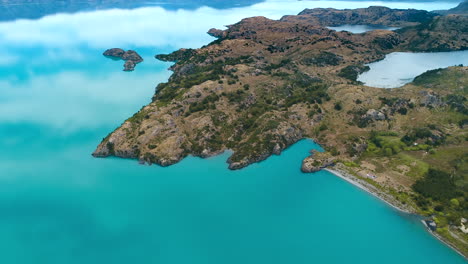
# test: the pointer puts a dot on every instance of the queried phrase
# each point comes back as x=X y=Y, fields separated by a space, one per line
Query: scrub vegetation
x=265 y=84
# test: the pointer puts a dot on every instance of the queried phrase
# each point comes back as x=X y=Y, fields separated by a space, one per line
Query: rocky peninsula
x=131 y=57
x=317 y=161
x=265 y=84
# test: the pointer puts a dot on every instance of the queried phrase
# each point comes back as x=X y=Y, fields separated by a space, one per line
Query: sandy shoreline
x=387 y=199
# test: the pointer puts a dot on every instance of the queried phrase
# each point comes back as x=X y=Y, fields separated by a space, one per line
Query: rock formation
x=130 y=57
x=317 y=161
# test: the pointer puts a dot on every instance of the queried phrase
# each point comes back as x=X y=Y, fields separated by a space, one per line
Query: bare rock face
x=131 y=57
x=285 y=136
x=375 y=115
x=115 y=52
x=431 y=99
x=217 y=33
x=129 y=65
x=317 y=161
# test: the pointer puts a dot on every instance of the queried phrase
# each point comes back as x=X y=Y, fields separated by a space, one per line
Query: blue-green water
x=59 y=97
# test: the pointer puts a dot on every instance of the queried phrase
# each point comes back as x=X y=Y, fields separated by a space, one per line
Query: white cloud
x=72 y=100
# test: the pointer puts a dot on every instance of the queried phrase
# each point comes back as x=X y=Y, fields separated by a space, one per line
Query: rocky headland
x=265 y=84
x=131 y=57
x=317 y=161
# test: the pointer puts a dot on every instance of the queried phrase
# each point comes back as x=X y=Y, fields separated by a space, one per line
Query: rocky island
x=265 y=84
x=131 y=57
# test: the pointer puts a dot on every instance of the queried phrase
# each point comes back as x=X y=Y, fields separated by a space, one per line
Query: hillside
x=252 y=91
x=373 y=15
x=461 y=9
x=265 y=84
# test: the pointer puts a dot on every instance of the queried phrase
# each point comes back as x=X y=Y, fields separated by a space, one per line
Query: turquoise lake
x=59 y=97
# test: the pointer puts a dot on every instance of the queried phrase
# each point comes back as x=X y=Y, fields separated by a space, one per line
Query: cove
x=59 y=97
x=400 y=68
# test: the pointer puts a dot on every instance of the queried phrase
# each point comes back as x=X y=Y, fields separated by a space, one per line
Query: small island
x=265 y=84
x=131 y=57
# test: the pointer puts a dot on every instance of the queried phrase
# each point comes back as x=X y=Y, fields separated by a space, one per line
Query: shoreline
x=440 y=238
x=386 y=198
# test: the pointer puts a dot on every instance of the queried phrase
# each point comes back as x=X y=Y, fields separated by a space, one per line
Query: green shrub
x=352 y=72
x=436 y=184
x=338 y=106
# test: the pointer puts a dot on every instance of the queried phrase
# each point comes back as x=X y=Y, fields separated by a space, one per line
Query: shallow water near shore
x=59 y=97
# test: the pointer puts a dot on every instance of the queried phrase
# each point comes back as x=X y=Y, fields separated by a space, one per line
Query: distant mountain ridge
x=373 y=15
x=461 y=9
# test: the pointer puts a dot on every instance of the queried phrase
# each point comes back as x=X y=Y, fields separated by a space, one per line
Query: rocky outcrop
x=351 y=72
x=130 y=57
x=431 y=99
x=317 y=161
x=374 y=115
x=217 y=33
x=129 y=65
x=114 y=52
x=178 y=55
x=282 y=138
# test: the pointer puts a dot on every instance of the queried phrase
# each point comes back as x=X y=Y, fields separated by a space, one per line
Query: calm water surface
x=59 y=97
x=400 y=68
x=360 y=28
